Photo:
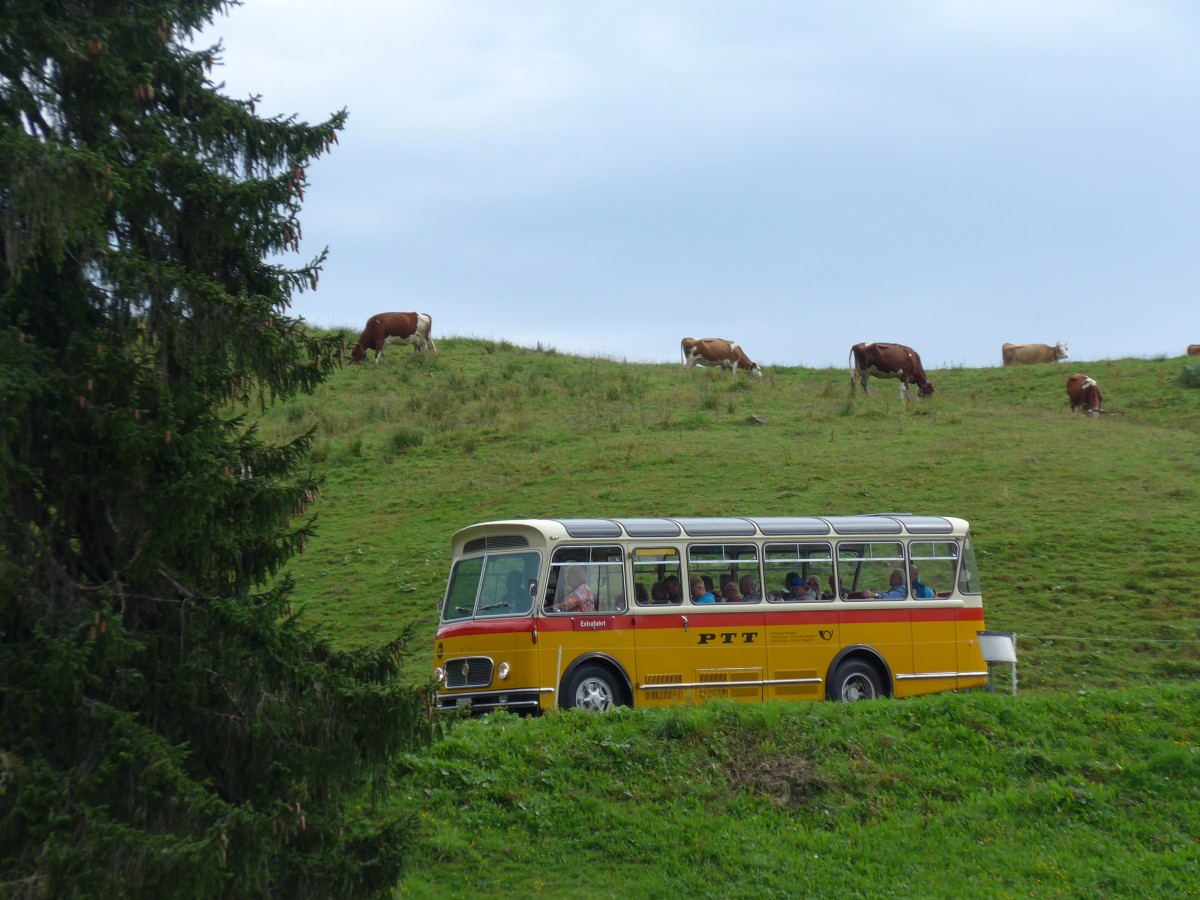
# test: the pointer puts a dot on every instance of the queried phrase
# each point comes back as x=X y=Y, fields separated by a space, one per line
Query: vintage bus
x=596 y=613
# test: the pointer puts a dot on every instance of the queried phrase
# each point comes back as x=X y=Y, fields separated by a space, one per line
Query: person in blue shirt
x=896 y=589
x=921 y=590
x=700 y=592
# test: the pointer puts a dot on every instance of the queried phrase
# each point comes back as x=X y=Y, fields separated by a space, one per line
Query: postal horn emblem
x=825 y=634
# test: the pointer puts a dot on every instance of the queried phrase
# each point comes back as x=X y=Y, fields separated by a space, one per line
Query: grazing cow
x=1193 y=350
x=717 y=352
x=1029 y=354
x=889 y=361
x=1083 y=391
x=395 y=328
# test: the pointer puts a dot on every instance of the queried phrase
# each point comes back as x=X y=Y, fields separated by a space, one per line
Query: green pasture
x=1086 y=528
x=1045 y=795
x=1085 y=784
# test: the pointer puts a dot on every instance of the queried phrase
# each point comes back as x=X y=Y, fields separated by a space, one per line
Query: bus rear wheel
x=593 y=688
x=855 y=680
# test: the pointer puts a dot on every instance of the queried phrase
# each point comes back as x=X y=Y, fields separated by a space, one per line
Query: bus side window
x=552 y=586
x=723 y=563
x=603 y=579
x=934 y=563
x=804 y=561
x=657 y=567
x=864 y=569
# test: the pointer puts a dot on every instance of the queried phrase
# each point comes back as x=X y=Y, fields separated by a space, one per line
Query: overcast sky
x=607 y=178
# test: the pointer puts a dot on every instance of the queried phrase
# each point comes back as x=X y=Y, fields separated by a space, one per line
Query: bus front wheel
x=593 y=688
x=855 y=680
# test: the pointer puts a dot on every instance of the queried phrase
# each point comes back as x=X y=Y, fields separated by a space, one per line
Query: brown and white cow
x=717 y=352
x=888 y=361
x=1083 y=391
x=1193 y=350
x=395 y=328
x=1030 y=354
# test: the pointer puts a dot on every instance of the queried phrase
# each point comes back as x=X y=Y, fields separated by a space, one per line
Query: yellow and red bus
x=596 y=613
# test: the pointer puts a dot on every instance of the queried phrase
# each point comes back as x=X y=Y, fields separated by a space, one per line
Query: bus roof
x=725 y=527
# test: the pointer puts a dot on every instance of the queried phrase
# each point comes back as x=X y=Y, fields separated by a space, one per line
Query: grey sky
x=608 y=178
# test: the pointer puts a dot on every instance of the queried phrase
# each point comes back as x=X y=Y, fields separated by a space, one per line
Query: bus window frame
x=803 y=567
x=861 y=560
x=724 y=559
x=615 y=556
x=661 y=567
x=919 y=562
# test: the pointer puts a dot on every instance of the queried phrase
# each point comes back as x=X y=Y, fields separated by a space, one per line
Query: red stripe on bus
x=969 y=614
x=765 y=616
x=909 y=614
x=485 y=626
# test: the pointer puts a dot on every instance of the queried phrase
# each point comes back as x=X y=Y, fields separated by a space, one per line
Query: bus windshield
x=498 y=584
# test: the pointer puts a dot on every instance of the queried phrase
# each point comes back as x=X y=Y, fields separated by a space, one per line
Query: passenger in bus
x=796 y=588
x=581 y=598
x=658 y=593
x=792 y=584
x=896 y=589
x=674 y=589
x=921 y=590
x=813 y=588
x=830 y=594
x=708 y=583
x=641 y=594
x=729 y=592
x=700 y=591
x=749 y=590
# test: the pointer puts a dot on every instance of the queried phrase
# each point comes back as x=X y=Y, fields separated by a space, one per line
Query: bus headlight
x=502 y=671
x=439 y=675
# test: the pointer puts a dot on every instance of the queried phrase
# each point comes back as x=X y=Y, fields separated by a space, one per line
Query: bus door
x=803 y=630
x=728 y=637
x=662 y=663
x=883 y=621
x=936 y=618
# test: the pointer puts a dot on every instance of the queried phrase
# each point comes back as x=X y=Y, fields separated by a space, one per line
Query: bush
x=1189 y=377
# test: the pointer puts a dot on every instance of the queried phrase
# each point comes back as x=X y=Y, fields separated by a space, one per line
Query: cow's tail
x=853 y=372
x=682 y=351
x=426 y=321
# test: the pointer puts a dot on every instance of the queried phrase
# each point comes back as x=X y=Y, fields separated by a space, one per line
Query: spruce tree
x=168 y=726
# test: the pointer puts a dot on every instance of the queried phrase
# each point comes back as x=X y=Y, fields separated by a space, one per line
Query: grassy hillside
x=1086 y=528
x=1085 y=784
x=953 y=796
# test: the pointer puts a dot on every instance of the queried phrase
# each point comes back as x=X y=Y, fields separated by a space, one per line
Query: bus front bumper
x=484 y=701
